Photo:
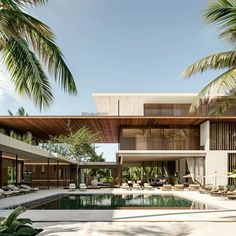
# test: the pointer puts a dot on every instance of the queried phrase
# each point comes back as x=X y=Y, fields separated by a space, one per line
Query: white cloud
x=6 y=87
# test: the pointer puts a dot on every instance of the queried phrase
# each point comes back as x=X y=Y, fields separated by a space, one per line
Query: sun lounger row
x=220 y=192
x=136 y=186
x=165 y=187
x=13 y=190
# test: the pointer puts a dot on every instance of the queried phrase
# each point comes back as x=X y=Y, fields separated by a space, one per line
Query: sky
x=122 y=46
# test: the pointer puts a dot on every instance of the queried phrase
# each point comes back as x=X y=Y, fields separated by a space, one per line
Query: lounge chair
x=231 y=197
x=24 y=186
x=136 y=186
x=229 y=193
x=139 y=182
x=82 y=187
x=72 y=187
x=5 y=193
x=147 y=186
x=166 y=187
x=203 y=191
x=130 y=183
x=125 y=186
x=15 y=190
x=220 y=192
x=178 y=187
x=193 y=187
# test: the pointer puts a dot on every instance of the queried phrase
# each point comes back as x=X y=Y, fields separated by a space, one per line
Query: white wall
x=216 y=161
x=205 y=135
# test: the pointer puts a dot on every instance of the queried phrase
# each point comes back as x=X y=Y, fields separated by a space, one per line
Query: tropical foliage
x=79 y=145
x=222 y=90
x=12 y=225
x=27 y=46
x=26 y=137
x=21 y=112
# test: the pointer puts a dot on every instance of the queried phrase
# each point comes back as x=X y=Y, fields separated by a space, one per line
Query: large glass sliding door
x=181 y=138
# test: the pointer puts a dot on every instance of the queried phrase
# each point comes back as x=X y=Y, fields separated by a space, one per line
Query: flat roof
x=132 y=103
x=133 y=156
x=28 y=152
x=108 y=126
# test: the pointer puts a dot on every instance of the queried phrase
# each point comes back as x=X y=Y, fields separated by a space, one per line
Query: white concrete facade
x=132 y=104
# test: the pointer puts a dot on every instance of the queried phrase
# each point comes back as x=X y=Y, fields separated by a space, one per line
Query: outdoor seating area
x=221 y=191
x=82 y=187
x=228 y=192
x=12 y=190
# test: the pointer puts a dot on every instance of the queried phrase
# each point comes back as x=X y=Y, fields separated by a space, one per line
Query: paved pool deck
x=137 y=229
x=225 y=212
x=221 y=221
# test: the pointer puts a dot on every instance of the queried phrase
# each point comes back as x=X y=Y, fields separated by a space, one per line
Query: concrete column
x=48 y=174
x=16 y=163
x=1 y=169
x=205 y=135
x=57 y=174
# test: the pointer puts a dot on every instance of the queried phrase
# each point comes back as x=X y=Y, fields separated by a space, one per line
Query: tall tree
x=221 y=90
x=79 y=145
x=27 y=46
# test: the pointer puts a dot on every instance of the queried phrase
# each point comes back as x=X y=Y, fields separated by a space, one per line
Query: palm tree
x=27 y=45
x=222 y=90
x=21 y=112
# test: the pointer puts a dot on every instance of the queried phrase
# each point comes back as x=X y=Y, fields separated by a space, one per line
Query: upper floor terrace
x=152 y=104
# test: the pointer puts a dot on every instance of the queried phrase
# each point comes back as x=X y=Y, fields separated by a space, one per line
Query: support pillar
x=16 y=170
x=1 y=169
x=142 y=172
x=57 y=174
x=48 y=174
x=22 y=171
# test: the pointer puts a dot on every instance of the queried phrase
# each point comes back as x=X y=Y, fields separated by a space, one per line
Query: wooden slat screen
x=231 y=166
x=223 y=136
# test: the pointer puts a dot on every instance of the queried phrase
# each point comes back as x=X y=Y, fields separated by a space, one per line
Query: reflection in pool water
x=110 y=201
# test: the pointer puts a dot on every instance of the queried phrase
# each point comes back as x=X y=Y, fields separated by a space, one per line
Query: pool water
x=110 y=201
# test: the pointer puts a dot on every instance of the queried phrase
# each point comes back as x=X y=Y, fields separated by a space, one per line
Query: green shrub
x=17 y=227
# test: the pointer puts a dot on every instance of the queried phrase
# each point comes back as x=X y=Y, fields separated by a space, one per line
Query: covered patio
x=24 y=163
x=162 y=166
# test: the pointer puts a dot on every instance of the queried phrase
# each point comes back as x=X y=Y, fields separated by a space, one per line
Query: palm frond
x=27 y=74
x=222 y=104
x=32 y=2
x=223 y=13
x=220 y=60
x=41 y=38
x=50 y=55
x=221 y=86
x=10 y=113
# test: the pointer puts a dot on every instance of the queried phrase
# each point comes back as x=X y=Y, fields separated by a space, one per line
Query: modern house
x=152 y=130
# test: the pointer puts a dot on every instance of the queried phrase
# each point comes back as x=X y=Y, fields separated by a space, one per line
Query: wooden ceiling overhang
x=108 y=126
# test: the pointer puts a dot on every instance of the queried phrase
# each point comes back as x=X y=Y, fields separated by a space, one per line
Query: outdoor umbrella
x=214 y=175
x=187 y=176
x=192 y=176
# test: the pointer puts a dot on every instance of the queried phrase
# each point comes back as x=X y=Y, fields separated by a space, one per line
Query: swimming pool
x=111 y=201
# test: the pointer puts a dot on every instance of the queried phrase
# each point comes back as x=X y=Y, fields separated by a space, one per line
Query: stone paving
x=138 y=229
x=127 y=222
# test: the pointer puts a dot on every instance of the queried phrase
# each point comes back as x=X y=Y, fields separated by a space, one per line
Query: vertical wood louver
x=231 y=167
x=223 y=136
